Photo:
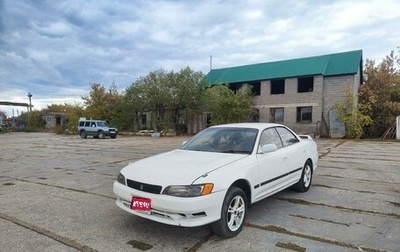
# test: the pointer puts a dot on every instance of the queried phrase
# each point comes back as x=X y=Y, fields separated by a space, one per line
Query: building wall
x=327 y=92
x=54 y=119
x=290 y=101
x=334 y=93
x=334 y=89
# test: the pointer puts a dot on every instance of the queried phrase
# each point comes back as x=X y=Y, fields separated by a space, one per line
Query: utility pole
x=30 y=102
x=30 y=108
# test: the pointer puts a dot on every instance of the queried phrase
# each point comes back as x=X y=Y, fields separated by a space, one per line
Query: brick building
x=55 y=119
x=299 y=93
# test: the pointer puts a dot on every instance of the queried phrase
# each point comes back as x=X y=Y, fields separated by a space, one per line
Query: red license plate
x=141 y=204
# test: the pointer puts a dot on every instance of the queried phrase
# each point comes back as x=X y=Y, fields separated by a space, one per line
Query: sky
x=56 y=49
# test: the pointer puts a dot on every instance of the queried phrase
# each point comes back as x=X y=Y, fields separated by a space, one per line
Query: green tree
x=186 y=97
x=102 y=104
x=95 y=102
x=114 y=103
x=225 y=106
x=33 y=120
x=380 y=94
x=134 y=105
x=351 y=115
x=74 y=112
x=171 y=97
x=156 y=93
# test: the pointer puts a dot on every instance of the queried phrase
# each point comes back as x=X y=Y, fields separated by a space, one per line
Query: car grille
x=156 y=189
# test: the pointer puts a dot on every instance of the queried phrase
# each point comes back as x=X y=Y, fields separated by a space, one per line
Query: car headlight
x=189 y=190
x=121 y=179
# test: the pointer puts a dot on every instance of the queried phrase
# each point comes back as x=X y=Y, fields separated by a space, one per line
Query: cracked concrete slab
x=56 y=195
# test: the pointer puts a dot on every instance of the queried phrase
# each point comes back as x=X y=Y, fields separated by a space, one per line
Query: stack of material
x=390 y=132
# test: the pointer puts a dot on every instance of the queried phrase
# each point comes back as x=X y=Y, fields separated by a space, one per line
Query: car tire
x=100 y=134
x=83 y=134
x=306 y=178
x=233 y=213
x=113 y=137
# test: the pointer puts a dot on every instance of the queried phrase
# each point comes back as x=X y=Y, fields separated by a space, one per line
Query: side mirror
x=266 y=148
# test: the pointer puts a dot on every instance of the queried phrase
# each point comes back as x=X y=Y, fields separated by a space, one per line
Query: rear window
x=102 y=124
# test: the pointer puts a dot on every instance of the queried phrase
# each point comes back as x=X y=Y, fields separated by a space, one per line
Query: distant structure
x=5 y=103
x=300 y=93
x=30 y=102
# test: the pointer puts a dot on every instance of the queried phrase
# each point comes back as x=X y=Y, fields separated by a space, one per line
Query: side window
x=81 y=123
x=287 y=137
x=93 y=124
x=87 y=124
x=270 y=136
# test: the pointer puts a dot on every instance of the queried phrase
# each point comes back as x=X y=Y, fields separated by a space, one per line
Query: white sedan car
x=216 y=175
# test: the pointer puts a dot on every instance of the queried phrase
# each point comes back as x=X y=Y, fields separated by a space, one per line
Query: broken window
x=305 y=84
x=277 y=86
x=304 y=114
x=276 y=115
x=254 y=85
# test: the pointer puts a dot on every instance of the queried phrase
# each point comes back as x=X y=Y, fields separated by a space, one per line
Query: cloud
x=55 y=49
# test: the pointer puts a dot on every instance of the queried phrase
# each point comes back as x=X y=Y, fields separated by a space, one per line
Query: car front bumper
x=110 y=133
x=177 y=211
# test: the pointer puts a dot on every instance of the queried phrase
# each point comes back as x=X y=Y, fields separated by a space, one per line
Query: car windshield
x=102 y=124
x=223 y=140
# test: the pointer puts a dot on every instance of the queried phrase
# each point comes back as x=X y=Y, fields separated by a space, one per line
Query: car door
x=273 y=166
x=92 y=129
x=294 y=155
x=87 y=127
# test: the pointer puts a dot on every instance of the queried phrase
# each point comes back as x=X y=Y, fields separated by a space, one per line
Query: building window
x=277 y=86
x=276 y=115
x=304 y=114
x=254 y=85
x=305 y=84
x=144 y=120
x=48 y=119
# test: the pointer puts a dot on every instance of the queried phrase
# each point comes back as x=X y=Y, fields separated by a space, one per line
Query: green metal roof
x=326 y=65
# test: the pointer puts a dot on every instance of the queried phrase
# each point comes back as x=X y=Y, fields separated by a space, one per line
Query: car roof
x=91 y=120
x=254 y=125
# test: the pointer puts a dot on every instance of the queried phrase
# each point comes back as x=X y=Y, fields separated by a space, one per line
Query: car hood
x=177 y=167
